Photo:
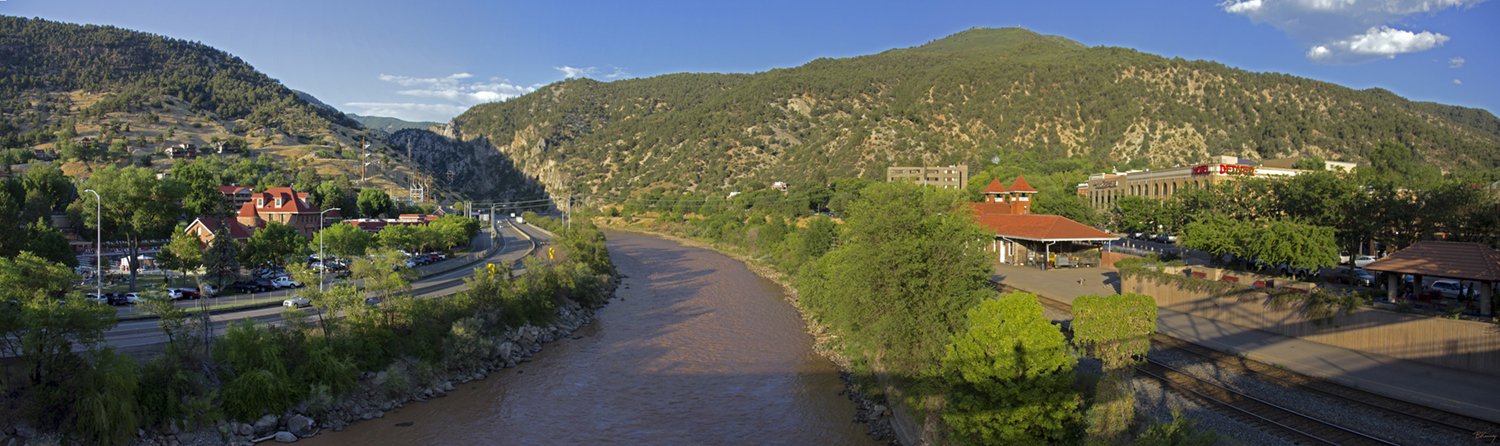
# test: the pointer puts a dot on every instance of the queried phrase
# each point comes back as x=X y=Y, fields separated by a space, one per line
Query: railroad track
x=1285 y=422
x=1280 y=421
x=1392 y=409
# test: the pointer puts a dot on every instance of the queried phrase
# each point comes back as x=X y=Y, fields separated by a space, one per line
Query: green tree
x=272 y=245
x=908 y=268
x=374 y=203
x=43 y=328
x=202 y=181
x=1010 y=373
x=49 y=243
x=1310 y=163
x=183 y=253
x=403 y=237
x=818 y=238
x=221 y=264
x=343 y=240
x=136 y=206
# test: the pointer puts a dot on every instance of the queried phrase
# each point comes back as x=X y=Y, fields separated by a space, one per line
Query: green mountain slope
x=966 y=98
x=99 y=94
x=390 y=125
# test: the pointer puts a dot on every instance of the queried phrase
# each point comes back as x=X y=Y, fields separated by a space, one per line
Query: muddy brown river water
x=698 y=350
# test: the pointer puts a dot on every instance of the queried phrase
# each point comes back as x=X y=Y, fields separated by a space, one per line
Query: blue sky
x=431 y=60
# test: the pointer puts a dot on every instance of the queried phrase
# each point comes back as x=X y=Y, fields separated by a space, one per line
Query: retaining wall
x=1458 y=344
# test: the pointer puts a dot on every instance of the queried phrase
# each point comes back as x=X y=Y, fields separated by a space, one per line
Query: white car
x=1450 y=289
x=1363 y=260
x=296 y=302
x=284 y=282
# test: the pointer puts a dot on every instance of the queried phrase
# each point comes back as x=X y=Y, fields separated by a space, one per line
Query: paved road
x=146 y=336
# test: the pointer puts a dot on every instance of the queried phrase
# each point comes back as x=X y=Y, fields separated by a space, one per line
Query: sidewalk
x=1467 y=393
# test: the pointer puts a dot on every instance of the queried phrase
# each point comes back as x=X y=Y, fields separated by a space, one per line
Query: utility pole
x=364 y=147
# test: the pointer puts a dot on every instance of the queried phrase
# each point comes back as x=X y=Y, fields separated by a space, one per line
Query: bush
x=1009 y=376
x=1182 y=431
x=255 y=392
x=466 y=345
x=107 y=411
x=1113 y=411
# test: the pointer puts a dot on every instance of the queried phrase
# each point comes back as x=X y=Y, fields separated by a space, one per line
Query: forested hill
x=133 y=70
x=969 y=97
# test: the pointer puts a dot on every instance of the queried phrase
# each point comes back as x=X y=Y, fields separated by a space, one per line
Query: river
x=696 y=350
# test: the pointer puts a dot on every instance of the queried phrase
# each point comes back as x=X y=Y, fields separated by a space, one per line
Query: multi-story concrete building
x=951 y=177
x=1103 y=190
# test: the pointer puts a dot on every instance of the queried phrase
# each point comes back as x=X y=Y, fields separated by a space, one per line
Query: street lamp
x=322 y=260
x=98 y=245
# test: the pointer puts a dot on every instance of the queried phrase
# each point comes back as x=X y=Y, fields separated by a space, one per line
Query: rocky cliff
x=472 y=167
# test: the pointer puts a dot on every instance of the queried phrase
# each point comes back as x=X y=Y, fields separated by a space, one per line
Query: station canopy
x=1454 y=260
x=1042 y=228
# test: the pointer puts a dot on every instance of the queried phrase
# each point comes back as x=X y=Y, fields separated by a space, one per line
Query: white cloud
x=1457 y=62
x=1376 y=43
x=1459 y=82
x=593 y=72
x=456 y=88
x=409 y=111
x=1348 y=31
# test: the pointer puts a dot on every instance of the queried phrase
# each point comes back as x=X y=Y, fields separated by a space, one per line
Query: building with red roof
x=1025 y=238
x=204 y=228
x=236 y=195
x=282 y=205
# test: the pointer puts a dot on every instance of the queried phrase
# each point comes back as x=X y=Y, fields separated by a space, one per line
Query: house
x=236 y=195
x=204 y=229
x=283 y=205
x=779 y=185
x=182 y=151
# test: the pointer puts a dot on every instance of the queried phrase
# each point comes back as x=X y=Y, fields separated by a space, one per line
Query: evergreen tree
x=221 y=262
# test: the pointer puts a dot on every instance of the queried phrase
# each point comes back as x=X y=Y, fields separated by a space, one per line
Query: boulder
x=25 y=431
x=187 y=437
x=504 y=349
x=265 y=425
x=448 y=386
x=386 y=405
x=299 y=425
x=285 y=437
x=877 y=410
x=244 y=430
x=380 y=379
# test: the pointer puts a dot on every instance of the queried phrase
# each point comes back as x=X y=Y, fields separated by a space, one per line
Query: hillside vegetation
x=970 y=97
x=96 y=95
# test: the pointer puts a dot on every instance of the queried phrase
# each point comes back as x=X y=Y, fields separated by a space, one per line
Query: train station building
x=1023 y=238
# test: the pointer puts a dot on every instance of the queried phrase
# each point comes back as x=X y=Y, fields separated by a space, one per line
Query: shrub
x=1009 y=374
x=251 y=393
x=466 y=344
x=1182 y=431
x=1113 y=411
x=107 y=411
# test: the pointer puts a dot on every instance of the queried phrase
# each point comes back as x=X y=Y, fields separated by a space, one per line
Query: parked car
x=125 y=299
x=296 y=301
x=245 y=286
x=285 y=282
x=182 y=293
x=265 y=285
x=1363 y=260
x=96 y=298
x=1451 y=289
x=1137 y=235
x=1167 y=238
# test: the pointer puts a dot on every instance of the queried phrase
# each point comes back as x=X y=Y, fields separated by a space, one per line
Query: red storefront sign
x=1223 y=169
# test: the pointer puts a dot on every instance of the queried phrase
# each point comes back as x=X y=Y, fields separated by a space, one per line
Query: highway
x=145 y=336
